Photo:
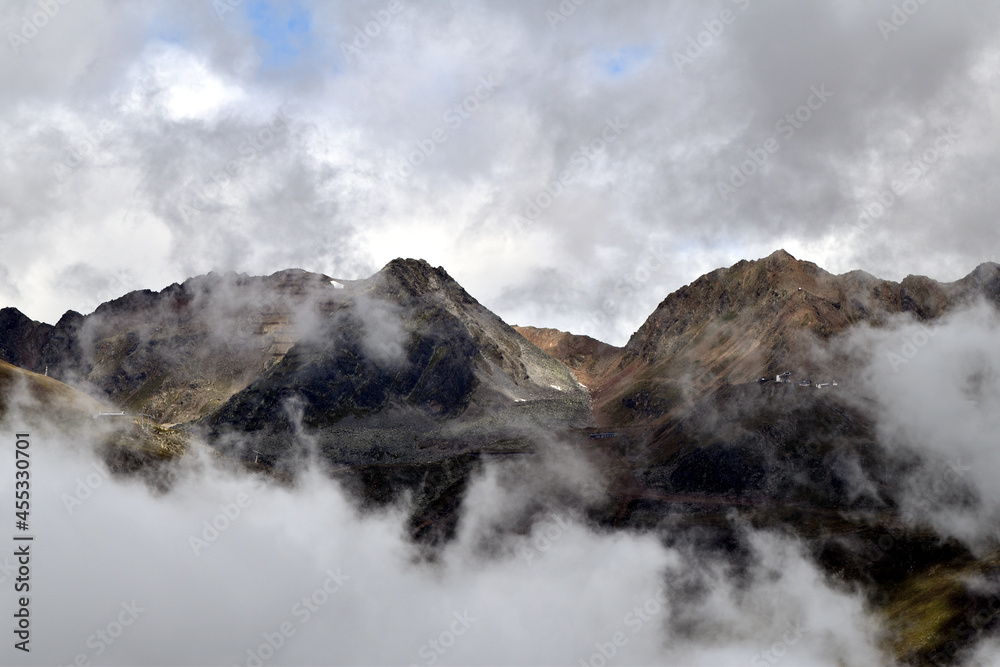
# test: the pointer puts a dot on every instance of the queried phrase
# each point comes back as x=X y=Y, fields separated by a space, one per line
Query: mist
x=937 y=391
x=227 y=567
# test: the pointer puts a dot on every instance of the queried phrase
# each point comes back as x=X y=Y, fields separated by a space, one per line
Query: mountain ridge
x=755 y=318
x=407 y=387
x=181 y=353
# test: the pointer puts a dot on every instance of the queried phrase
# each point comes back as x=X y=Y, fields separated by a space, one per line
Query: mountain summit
x=758 y=318
x=411 y=338
x=403 y=383
x=408 y=365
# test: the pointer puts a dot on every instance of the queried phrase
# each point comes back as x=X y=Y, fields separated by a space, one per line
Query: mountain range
x=404 y=383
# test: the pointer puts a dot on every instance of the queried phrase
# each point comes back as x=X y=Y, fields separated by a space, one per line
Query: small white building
x=784 y=377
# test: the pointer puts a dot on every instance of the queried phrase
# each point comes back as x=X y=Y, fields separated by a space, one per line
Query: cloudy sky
x=570 y=164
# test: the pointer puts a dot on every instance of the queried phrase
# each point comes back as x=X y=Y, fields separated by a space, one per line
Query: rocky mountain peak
x=985 y=277
x=405 y=279
x=780 y=256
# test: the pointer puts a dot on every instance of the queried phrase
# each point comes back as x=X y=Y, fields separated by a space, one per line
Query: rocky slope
x=51 y=409
x=587 y=358
x=757 y=318
x=406 y=367
x=408 y=358
x=176 y=354
x=409 y=385
x=36 y=398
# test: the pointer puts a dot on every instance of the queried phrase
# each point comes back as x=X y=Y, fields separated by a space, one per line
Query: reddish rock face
x=733 y=325
x=588 y=358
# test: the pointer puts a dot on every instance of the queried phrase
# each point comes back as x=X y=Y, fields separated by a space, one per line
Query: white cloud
x=937 y=388
x=214 y=567
x=336 y=173
x=192 y=91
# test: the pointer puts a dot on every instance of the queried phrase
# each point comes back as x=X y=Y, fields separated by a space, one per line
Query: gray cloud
x=336 y=176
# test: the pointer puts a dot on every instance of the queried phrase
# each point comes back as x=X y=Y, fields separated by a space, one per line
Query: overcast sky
x=145 y=142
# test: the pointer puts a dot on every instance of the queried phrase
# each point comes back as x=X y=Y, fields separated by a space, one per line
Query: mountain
x=176 y=354
x=37 y=398
x=403 y=383
x=680 y=404
x=32 y=402
x=587 y=358
x=404 y=366
x=407 y=365
x=756 y=318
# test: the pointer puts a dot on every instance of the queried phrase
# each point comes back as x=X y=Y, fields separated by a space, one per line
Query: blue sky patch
x=284 y=29
x=621 y=61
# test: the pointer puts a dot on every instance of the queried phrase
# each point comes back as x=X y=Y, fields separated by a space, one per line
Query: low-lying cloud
x=937 y=391
x=226 y=568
